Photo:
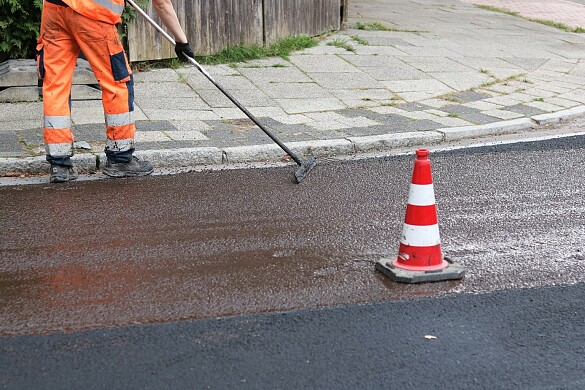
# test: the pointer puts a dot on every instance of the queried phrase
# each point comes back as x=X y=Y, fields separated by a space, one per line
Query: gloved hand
x=182 y=50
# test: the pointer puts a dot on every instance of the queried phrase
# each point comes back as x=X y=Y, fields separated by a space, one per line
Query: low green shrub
x=20 y=22
x=19 y=28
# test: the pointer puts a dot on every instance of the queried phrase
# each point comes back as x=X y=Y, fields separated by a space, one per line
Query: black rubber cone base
x=451 y=272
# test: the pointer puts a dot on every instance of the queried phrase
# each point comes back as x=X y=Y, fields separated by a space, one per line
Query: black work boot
x=62 y=174
x=133 y=168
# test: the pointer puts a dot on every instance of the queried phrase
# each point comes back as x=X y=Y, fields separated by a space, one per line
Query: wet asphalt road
x=202 y=245
x=85 y=267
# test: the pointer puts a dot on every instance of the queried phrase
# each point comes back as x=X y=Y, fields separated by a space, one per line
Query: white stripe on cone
x=414 y=235
x=421 y=195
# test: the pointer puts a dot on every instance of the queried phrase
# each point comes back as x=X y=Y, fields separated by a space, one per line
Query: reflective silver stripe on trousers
x=126 y=118
x=120 y=145
x=60 y=150
x=117 y=8
x=57 y=122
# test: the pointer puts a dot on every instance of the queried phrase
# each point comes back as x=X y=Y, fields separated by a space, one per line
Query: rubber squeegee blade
x=305 y=168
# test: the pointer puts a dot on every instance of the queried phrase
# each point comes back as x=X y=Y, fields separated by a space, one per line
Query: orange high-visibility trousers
x=64 y=33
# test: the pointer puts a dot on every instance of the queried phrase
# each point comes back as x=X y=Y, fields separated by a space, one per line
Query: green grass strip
x=242 y=53
x=377 y=26
x=550 y=23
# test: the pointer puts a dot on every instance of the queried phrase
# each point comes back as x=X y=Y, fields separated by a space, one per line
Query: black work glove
x=183 y=50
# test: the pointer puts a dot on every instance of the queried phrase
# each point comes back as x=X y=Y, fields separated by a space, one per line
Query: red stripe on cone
x=421 y=215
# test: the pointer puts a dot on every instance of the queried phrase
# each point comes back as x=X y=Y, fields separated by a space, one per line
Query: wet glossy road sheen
x=200 y=245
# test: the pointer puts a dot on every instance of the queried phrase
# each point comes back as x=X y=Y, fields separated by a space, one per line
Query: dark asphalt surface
x=202 y=245
x=512 y=339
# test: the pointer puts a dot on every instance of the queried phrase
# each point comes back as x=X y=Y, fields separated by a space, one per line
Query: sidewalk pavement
x=448 y=70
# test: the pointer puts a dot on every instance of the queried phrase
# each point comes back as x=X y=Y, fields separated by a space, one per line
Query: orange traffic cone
x=420 y=258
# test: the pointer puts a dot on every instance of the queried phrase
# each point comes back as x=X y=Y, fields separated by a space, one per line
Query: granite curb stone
x=497 y=128
x=559 y=116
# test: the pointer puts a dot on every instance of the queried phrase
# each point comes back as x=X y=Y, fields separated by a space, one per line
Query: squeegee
x=304 y=167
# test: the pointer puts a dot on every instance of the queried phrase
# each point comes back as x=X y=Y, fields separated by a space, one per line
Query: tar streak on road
x=221 y=243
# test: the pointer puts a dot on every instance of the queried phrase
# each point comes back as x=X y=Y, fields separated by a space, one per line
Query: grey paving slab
x=544 y=106
x=322 y=48
x=273 y=75
x=213 y=98
x=228 y=113
x=185 y=114
x=479 y=63
x=88 y=132
x=461 y=81
x=426 y=64
x=525 y=110
x=504 y=73
x=11 y=112
x=165 y=144
x=292 y=90
x=427 y=51
x=471 y=115
x=192 y=102
x=373 y=60
x=156 y=76
x=557 y=101
x=267 y=111
x=528 y=64
x=345 y=80
x=392 y=73
x=8 y=126
x=198 y=82
x=430 y=86
x=10 y=145
x=378 y=50
x=469 y=96
x=376 y=130
x=575 y=95
x=503 y=114
x=151 y=136
x=322 y=64
x=88 y=115
x=232 y=82
x=153 y=125
x=19 y=94
x=363 y=94
x=31 y=136
x=297 y=106
x=146 y=91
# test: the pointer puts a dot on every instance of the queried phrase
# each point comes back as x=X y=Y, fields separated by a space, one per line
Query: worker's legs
x=56 y=59
x=101 y=46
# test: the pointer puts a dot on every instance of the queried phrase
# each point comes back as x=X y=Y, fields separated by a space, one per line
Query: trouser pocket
x=40 y=57
x=120 y=68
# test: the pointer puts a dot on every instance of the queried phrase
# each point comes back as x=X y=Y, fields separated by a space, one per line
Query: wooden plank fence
x=293 y=17
x=212 y=25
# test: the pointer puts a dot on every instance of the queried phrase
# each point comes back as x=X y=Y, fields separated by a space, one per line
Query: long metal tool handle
x=226 y=93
